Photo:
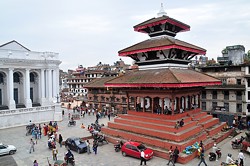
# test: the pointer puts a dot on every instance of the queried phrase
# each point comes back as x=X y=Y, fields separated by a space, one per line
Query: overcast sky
x=86 y=32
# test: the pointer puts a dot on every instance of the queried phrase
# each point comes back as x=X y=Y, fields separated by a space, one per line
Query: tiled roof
x=98 y=82
x=173 y=77
x=152 y=20
x=159 y=42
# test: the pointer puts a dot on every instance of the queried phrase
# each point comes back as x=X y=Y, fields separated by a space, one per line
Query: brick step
x=215 y=129
x=163 y=116
x=210 y=123
x=152 y=141
x=198 y=115
x=166 y=122
x=222 y=135
x=155 y=126
x=178 y=137
x=205 y=118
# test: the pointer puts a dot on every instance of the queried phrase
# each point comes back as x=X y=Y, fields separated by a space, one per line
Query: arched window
x=1 y=78
x=32 y=77
x=16 y=78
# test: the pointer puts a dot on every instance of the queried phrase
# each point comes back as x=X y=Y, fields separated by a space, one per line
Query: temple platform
x=159 y=133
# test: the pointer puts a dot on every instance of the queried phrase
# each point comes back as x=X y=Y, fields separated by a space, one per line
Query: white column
x=12 y=104
x=28 y=102
x=42 y=88
x=54 y=85
x=49 y=86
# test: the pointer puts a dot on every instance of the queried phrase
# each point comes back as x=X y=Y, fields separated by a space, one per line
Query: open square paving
x=106 y=155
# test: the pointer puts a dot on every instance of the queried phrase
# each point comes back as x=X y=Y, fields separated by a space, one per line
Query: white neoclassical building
x=29 y=86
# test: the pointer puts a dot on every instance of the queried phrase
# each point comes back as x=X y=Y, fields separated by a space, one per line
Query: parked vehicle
x=134 y=149
x=101 y=139
x=118 y=146
x=71 y=123
x=7 y=149
x=212 y=155
x=76 y=144
x=29 y=129
x=237 y=144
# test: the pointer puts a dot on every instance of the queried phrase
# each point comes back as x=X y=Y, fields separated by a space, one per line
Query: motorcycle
x=71 y=123
x=225 y=164
x=100 y=139
x=237 y=143
x=70 y=160
x=212 y=155
x=118 y=146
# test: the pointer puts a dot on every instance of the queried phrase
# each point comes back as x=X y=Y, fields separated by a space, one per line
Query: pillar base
x=44 y=101
x=28 y=103
x=12 y=105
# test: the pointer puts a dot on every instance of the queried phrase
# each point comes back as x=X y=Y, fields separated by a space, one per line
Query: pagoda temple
x=164 y=90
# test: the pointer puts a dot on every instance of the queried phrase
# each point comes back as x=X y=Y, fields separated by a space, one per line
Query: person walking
x=176 y=154
x=171 y=158
x=54 y=153
x=109 y=116
x=143 y=158
x=88 y=146
x=60 y=140
x=202 y=156
x=35 y=163
x=95 y=145
x=32 y=144
x=241 y=158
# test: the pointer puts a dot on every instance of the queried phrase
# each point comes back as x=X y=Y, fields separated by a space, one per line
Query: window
x=16 y=78
x=128 y=146
x=226 y=105
x=203 y=95
x=248 y=95
x=238 y=95
x=224 y=81
x=204 y=107
x=214 y=94
x=238 y=81
x=226 y=95
x=124 y=100
x=135 y=149
x=1 y=78
x=248 y=82
x=239 y=108
x=214 y=104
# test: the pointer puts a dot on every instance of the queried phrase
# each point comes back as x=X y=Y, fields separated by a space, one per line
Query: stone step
x=215 y=129
x=156 y=126
x=210 y=123
x=178 y=137
x=167 y=122
x=163 y=116
x=205 y=118
x=153 y=141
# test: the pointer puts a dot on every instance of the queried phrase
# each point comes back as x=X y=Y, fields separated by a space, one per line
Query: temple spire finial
x=162 y=11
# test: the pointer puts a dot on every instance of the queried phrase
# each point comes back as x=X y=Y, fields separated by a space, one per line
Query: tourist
x=54 y=153
x=93 y=111
x=109 y=116
x=181 y=123
x=60 y=140
x=88 y=146
x=202 y=156
x=32 y=144
x=177 y=125
x=82 y=126
x=95 y=145
x=166 y=110
x=171 y=158
x=176 y=154
x=35 y=163
x=143 y=158
x=241 y=158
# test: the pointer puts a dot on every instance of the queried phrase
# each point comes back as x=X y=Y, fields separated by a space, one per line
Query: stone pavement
x=106 y=155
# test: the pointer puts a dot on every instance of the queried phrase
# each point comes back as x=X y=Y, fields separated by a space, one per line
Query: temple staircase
x=158 y=132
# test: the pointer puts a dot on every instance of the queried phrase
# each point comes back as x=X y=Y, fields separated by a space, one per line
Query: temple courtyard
x=106 y=155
